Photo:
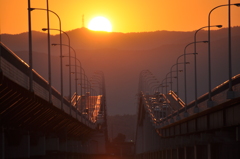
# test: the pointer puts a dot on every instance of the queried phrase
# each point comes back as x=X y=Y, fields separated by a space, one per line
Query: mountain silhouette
x=122 y=56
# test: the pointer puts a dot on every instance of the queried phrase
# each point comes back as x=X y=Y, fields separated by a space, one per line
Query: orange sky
x=125 y=15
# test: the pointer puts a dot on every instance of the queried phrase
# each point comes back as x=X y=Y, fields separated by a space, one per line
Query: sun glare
x=100 y=24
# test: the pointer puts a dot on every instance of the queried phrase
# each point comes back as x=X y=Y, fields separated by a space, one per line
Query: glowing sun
x=100 y=24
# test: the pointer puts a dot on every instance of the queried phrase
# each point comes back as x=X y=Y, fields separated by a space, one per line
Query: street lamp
x=49 y=54
x=185 y=74
x=150 y=85
x=141 y=75
x=81 y=69
x=85 y=79
x=30 y=47
x=147 y=79
x=82 y=73
x=176 y=71
x=155 y=88
x=161 y=85
x=177 y=68
x=196 y=110
x=99 y=82
x=230 y=93
x=103 y=106
x=171 y=78
x=70 y=60
x=45 y=29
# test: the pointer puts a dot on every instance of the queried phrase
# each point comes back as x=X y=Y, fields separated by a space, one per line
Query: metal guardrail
x=17 y=70
x=175 y=96
x=202 y=103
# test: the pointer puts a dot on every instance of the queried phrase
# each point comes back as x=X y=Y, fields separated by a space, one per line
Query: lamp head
x=219 y=26
x=31 y=9
x=237 y=4
x=44 y=29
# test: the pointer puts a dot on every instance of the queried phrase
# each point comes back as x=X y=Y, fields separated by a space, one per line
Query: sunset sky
x=125 y=16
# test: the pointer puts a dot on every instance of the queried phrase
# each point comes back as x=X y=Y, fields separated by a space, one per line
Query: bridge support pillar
x=38 y=148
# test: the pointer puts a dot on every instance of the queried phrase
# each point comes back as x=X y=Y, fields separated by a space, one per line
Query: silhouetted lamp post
x=171 y=77
x=185 y=74
x=196 y=110
x=230 y=92
x=177 y=68
x=69 y=52
x=30 y=47
x=81 y=69
x=49 y=56
x=75 y=65
x=103 y=107
x=49 y=52
x=176 y=71
x=141 y=75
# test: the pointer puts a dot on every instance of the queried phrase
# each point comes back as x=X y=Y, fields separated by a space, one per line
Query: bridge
x=168 y=128
x=40 y=121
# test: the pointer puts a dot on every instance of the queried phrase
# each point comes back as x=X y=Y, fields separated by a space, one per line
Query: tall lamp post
x=141 y=75
x=75 y=64
x=196 y=110
x=98 y=80
x=81 y=69
x=230 y=92
x=69 y=52
x=49 y=56
x=185 y=74
x=161 y=85
x=82 y=73
x=177 y=68
x=30 y=47
x=103 y=109
x=30 y=50
x=147 y=80
x=171 y=77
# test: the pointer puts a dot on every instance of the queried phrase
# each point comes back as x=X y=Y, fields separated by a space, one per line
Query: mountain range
x=122 y=56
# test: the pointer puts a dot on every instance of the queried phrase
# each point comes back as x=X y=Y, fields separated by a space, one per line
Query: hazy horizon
x=123 y=56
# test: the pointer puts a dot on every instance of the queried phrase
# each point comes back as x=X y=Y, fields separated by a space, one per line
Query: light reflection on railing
x=171 y=118
x=40 y=86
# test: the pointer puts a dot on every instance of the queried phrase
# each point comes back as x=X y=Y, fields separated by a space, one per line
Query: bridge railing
x=17 y=70
x=175 y=96
x=218 y=96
